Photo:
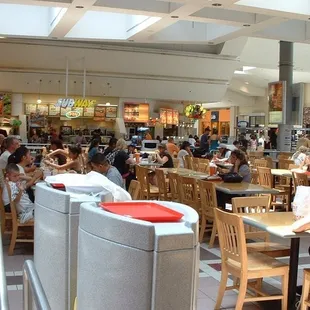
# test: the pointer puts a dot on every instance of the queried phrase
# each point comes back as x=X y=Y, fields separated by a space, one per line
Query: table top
x=244 y=188
x=147 y=164
x=186 y=173
x=276 y=223
x=282 y=173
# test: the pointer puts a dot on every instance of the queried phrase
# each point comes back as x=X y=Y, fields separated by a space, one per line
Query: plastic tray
x=146 y=211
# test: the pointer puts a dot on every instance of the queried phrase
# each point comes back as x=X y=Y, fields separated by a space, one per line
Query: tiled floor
x=209 y=276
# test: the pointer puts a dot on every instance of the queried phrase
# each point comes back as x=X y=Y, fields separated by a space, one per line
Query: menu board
x=276 y=101
x=89 y=112
x=37 y=120
x=42 y=109
x=135 y=112
x=163 y=116
x=100 y=112
x=53 y=111
x=111 y=112
x=175 y=117
x=79 y=110
x=169 y=117
x=64 y=111
x=30 y=108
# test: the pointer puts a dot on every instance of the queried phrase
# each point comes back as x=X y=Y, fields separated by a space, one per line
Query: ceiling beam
x=74 y=13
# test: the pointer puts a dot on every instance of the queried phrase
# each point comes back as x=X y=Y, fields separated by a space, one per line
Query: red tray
x=146 y=211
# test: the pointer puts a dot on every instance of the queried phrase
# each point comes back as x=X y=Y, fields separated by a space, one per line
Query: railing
x=33 y=288
x=4 y=302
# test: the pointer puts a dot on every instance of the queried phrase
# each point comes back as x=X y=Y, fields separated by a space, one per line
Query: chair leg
x=202 y=228
x=213 y=235
x=284 y=291
x=242 y=291
x=305 y=292
x=13 y=240
x=222 y=288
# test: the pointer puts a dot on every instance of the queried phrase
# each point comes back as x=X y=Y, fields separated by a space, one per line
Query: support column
x=286 y=65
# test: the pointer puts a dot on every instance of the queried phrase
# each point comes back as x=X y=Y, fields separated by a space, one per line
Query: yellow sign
x=76 y=103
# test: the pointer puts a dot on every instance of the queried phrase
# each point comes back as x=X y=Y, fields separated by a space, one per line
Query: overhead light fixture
x=246 y=25
x=79 y=7
x=246 y=68
x=174 y=16
x=39 y=101
x=247 y=83
x=216 y=4
x=239 y=72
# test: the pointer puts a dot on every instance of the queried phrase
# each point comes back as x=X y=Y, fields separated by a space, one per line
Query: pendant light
x=108 y=92
x=39 y=98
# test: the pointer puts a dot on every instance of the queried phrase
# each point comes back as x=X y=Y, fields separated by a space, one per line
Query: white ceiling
x=202 y=27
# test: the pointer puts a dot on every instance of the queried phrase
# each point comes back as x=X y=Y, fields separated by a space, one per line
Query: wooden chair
x=208 y=205
x=260 y=163
x=245 y=266
x=6 y=218
x=195 y=163
x=188 y=162
x=269 y=162
x=189 y=192
x=305 y=301
x=300 y=179
x=204 y=165
x=246 y=205
x=162 y=185
x=176 y=162
x=265 y=179
x=148 y=191
x=293 y=166
x=134 y=190
x=19 y=235
x=174 y=186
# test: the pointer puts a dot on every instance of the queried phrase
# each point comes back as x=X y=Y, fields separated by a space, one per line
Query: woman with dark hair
x=93 y=148
x=75 y=164
x=184 y=151
x=240 y=165
x=214 y=140
x=57 y=145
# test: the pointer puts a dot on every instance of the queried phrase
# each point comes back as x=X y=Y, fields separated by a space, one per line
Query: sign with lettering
x=77 y=103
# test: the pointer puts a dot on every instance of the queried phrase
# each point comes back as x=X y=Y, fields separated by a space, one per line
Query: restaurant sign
x=76 y=103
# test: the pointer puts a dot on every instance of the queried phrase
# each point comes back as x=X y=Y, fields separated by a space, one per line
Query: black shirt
x=120 y=162
x=107 y=151
x=169 y=162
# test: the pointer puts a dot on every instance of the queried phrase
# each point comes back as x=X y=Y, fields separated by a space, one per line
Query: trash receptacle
x=55 y=242
x=126 y=264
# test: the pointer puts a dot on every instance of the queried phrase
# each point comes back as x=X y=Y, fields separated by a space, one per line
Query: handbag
x=231 y=177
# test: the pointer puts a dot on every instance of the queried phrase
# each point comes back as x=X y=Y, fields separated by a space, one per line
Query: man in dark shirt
x=111 y=147
x=204 y=143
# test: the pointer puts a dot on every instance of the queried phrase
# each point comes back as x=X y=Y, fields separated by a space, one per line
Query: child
x=14 y=187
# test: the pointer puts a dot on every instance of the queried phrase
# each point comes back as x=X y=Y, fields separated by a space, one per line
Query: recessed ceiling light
x=246 y=25
x=247 y=83
x=79 y=7
x=174 y=16
x=216 y=4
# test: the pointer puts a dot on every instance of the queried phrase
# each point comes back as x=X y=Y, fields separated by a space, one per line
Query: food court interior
x=199 y=109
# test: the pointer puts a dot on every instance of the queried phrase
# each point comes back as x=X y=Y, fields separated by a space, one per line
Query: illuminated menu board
x=169 y=116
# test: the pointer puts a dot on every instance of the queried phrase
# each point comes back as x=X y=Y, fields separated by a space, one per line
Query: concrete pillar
x=286 y=74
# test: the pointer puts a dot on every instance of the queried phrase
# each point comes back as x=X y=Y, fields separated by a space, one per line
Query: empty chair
x=162 y=185
x=188 y=162
x=189 y=192
x=305 y=301
x=260 y=163
x=134 y=190
x=261 y=204
x=148 y=191
x=195 y=163
x=208 y=205
x=176 y=162
x=245 y=266
x=300 y=179
x=174 y=186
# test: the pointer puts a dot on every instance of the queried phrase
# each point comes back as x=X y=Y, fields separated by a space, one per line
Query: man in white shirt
x=12 y=144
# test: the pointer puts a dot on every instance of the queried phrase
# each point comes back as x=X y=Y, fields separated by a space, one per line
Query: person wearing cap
x=224 y=152
x=163 y=157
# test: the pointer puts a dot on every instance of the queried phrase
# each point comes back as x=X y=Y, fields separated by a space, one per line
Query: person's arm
x=38 y=175
x=30 y=169
x=161 y=160
x=66 y=166
x=130 y=161
x=56 y=152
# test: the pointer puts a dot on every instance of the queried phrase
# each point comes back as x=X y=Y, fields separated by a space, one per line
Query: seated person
x=300 y=156
x=224 y=152
x=163 y=157
x=14 y=190
x=184 y=151
x=172 y=149
x=101 y=165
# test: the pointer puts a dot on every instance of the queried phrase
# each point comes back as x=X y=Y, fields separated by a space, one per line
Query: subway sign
x=75 y=103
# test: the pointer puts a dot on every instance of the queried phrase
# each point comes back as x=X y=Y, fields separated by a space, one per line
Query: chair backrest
x=265 y=176
x=284 y=155
x=254 y=177
x=257 y=155
x=248 y=205
x=300 y=179
x=195 y=163
x=176 y=162
x=2 y=212
x=162 y=185
x=174 y=186
x=188 y=162
x=143 y=178
x=292 y=166
x=189 y=192
x=260 y=163
x=204 y=165
x=12 y=205
x=269 y=162
x=134 y=190
x=207 y=197
x=232 y=237
x=284 y=163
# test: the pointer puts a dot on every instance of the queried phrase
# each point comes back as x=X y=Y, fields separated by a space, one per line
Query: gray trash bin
x=129 y=264
x=55 y=243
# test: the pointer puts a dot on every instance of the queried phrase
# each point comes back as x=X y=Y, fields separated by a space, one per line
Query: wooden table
x=147 y=164
x=280 y=224
x=243 y=188
x=187 y=173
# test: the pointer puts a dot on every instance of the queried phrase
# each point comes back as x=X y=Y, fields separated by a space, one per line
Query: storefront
x=69 y=116
x=217 y=119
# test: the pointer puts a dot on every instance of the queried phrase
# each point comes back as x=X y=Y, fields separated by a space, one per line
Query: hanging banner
x=277 y=102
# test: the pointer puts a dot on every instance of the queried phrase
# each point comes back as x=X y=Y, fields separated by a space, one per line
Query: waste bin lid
x=146 y=211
